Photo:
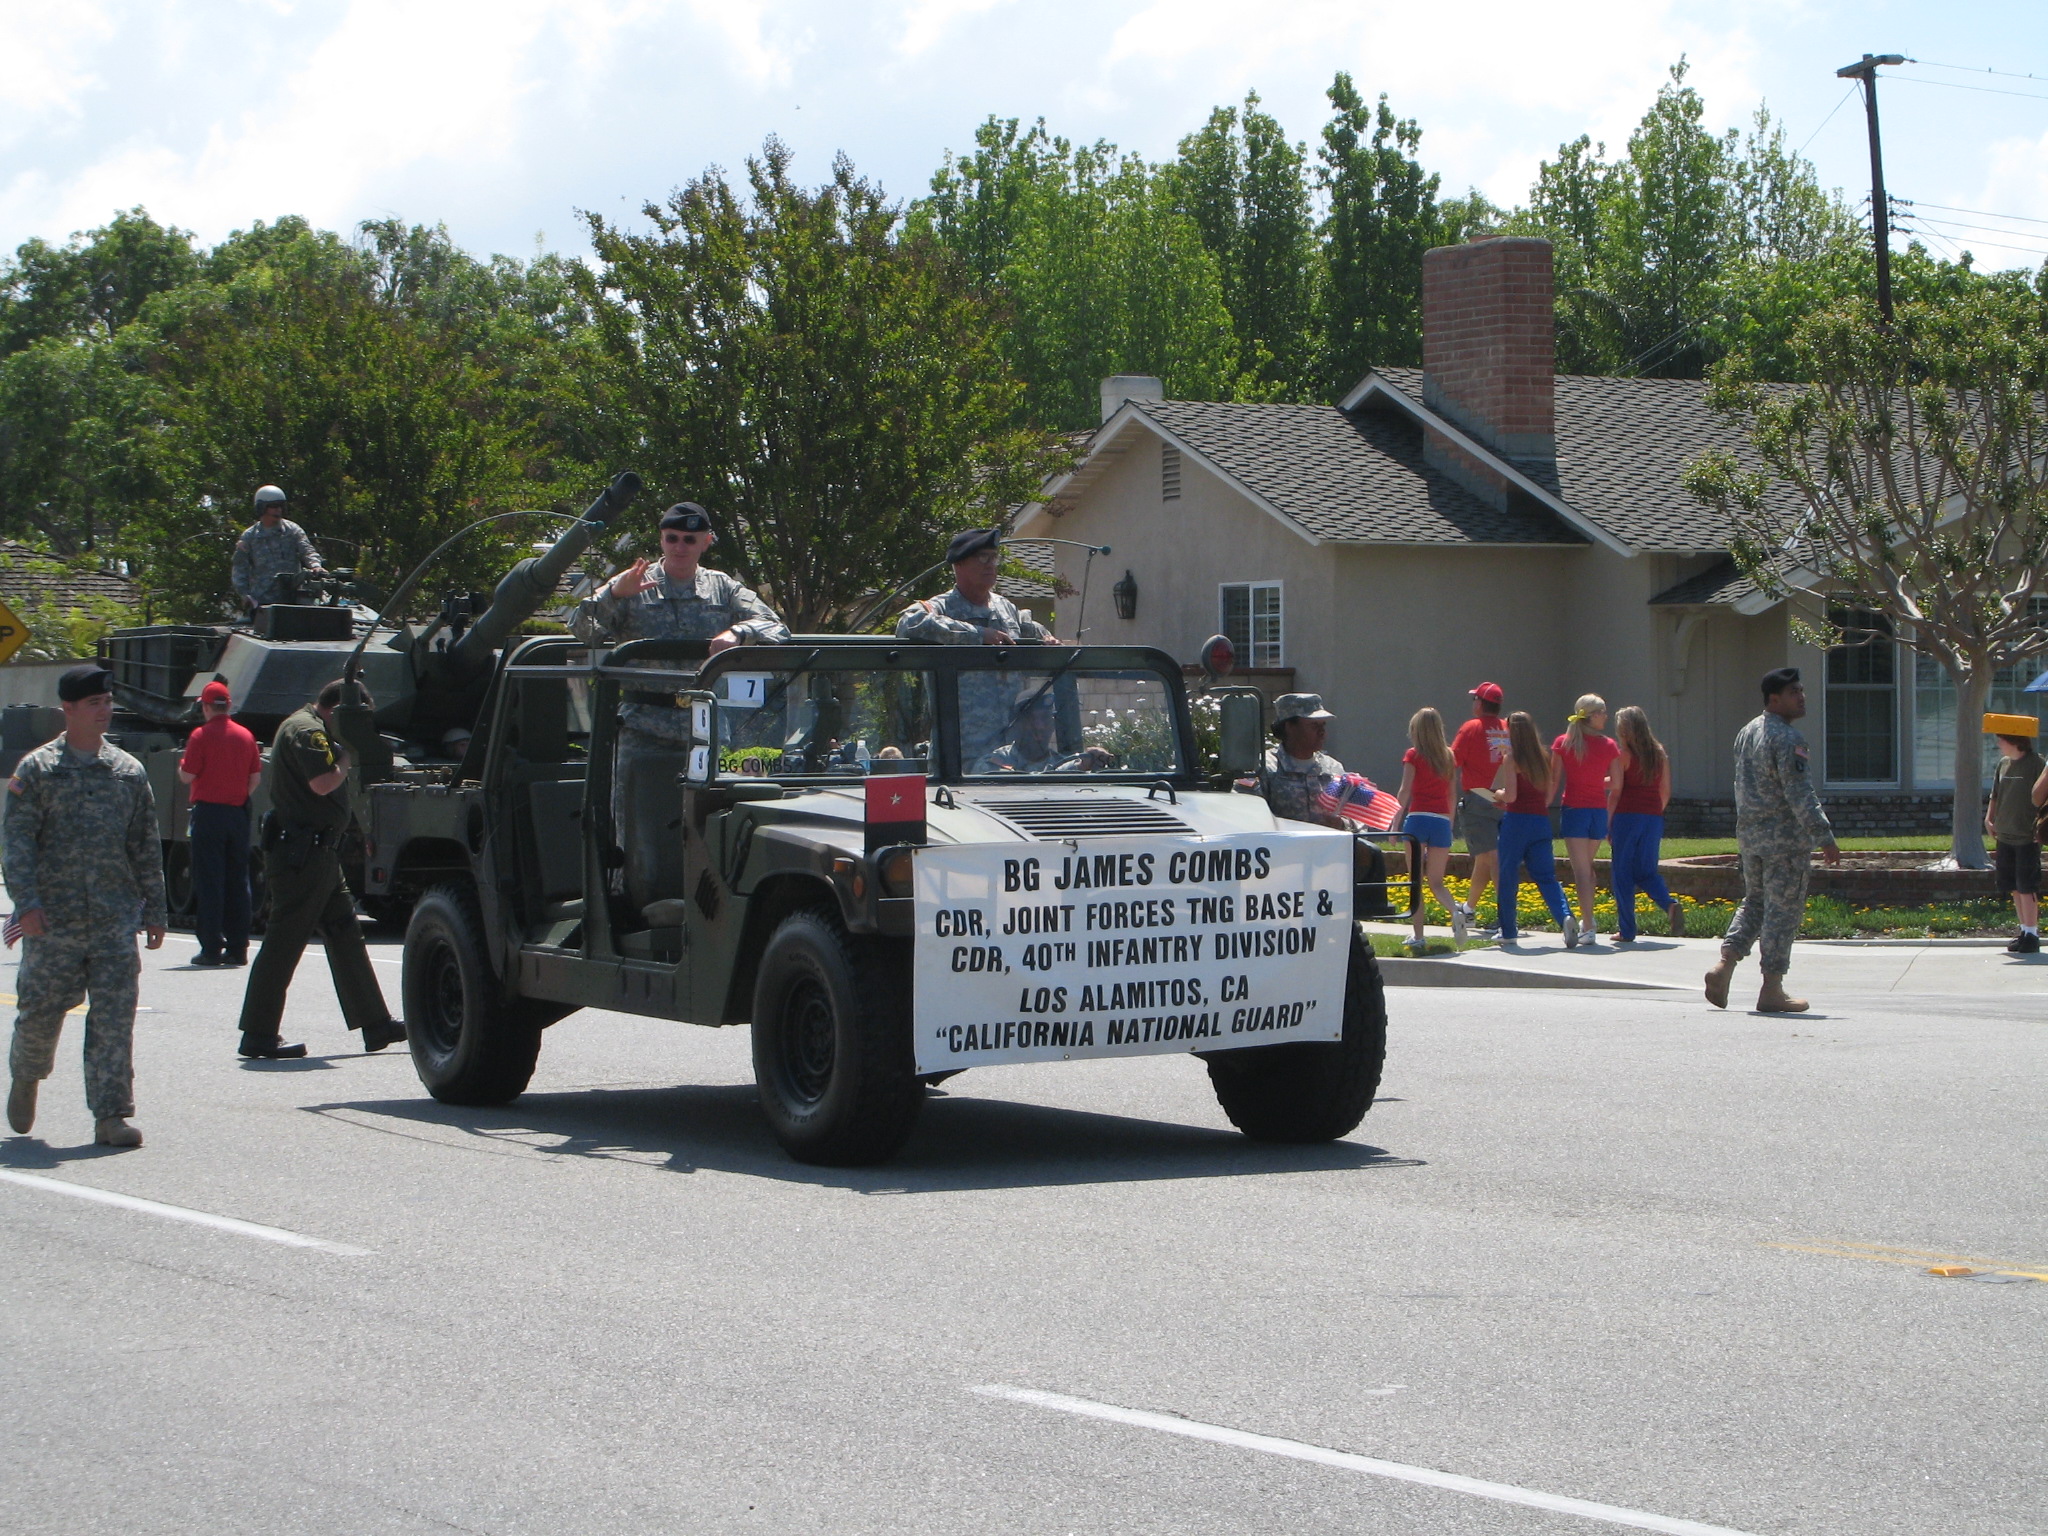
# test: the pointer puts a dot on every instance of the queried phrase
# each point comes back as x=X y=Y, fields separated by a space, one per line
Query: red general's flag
x=896 y=797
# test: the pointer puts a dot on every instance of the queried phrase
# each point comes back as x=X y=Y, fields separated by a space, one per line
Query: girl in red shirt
x=1525 y=829
x=1638 y=789
x=1581 y=757
x=1425 y=813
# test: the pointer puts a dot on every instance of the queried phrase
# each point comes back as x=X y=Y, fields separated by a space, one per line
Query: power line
x=1985 y=90
x=1986 y=229
x=1975 y=69
x=1825 y=121
x=1982 y=213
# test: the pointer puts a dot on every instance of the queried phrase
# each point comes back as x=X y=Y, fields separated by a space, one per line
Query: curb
x=1909 y=943
x=1456 y=973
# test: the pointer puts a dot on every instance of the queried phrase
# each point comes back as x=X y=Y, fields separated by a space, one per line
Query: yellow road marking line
x=1879 y=1253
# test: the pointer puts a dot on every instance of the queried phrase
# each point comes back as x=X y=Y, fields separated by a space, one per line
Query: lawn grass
x=1699 y=847
x=1391 y=946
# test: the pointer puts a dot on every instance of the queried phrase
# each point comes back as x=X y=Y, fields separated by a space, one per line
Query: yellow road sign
x=13 y=633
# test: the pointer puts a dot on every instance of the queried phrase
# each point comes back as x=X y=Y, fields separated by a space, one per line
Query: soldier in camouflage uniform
x=1033 y=746
x=975 y=613
x=1778 y=824
x=85 y=870
x=676 y=599
x=271 y=553
x=1293 y=774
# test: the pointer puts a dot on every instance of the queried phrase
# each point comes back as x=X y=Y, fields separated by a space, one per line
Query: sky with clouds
x=503 y=118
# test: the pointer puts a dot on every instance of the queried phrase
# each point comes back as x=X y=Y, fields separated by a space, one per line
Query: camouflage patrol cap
x=1299 y=706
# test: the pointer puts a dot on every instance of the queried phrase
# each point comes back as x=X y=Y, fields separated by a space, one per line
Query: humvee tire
x=470 y=1043
x=832 y=1054
x=1312 y=1090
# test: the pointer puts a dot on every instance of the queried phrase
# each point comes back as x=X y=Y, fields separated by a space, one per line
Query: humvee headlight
x=895 y=871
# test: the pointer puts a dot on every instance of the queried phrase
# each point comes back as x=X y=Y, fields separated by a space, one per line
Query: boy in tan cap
x=2010 y=818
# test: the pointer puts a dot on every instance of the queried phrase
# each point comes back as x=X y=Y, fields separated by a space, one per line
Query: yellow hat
x=2011 y=725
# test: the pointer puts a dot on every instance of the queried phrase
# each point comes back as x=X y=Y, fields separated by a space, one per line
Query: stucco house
x=1480 y=518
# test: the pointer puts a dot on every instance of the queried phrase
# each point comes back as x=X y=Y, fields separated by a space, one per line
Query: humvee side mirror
x=1241 y=744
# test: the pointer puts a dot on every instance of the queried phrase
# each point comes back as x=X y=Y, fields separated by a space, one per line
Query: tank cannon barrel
x=532 y=581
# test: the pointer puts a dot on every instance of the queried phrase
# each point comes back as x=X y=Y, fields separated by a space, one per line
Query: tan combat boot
x=1773 y=999
x=1718 y=979
x=21 y=1105
x=113 y=1131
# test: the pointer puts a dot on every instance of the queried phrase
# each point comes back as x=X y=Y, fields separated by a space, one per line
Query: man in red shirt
x=221 y=768
x=1479 y=749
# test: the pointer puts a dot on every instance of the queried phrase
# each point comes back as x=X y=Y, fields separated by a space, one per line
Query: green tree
x=829 y=387
x=1382 y=215
x=285 y=366
x=93 y=286
x=1246 y=189
x=1908 y=478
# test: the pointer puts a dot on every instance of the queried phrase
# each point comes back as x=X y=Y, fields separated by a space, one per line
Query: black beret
x=1778 y=681
x=86 y=682
x=688 y=516
x=972 y=542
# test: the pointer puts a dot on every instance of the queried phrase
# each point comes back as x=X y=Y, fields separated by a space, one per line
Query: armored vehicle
x=428 y=680
x=894 y=862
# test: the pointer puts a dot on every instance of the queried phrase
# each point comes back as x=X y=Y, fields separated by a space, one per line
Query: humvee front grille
x=1089 y=816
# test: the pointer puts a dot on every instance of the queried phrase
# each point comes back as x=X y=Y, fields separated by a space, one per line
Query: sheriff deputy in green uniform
x=307 y=781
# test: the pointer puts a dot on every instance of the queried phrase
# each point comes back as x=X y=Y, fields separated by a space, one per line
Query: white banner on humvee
x=1129 y=946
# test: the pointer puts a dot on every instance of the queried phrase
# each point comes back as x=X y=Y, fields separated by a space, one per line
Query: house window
x=1169 y=472
x=1934 y=712
x=1251 y=618
x=1862 y=703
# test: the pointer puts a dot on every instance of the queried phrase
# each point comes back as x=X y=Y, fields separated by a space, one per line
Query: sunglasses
x=686 y=536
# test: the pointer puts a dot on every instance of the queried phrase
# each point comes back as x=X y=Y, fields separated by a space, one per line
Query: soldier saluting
x=271 y=553
x=85 y=870
x=1778 y=824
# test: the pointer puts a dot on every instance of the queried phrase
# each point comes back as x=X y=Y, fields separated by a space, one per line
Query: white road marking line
x=180 y=1213
x=1299 y=1451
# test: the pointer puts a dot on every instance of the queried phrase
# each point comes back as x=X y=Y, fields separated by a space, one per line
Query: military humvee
x=895 y=862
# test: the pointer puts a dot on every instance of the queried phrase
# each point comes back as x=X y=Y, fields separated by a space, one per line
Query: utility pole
x=1880 y=209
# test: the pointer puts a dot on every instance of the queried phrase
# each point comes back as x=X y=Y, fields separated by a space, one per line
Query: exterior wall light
x=1126 y=594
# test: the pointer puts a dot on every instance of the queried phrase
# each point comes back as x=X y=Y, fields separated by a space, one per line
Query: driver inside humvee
x=1033 y=742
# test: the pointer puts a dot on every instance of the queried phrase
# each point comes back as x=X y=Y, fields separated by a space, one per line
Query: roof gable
x=1333 y=477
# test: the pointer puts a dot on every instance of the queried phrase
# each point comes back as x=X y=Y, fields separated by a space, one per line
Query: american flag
x=1356 y=798
x=10 y=934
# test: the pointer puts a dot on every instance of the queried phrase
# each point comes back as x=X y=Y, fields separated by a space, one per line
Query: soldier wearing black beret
x=974 y=612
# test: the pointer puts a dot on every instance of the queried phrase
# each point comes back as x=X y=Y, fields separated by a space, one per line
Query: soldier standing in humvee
x=271 y=553
x=975 y=613
x=674 y=600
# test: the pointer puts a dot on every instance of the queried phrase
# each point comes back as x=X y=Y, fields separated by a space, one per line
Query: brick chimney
x=1489 y=357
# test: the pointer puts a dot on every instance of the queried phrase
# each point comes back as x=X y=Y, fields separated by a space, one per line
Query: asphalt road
x=1609 y=1247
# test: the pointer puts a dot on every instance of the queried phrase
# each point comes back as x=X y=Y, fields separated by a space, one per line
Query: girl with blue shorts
x=1581 y=758
x=1425 y=814
x=1525 y=830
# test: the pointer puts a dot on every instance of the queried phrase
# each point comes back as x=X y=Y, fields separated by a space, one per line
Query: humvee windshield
x=827 y=720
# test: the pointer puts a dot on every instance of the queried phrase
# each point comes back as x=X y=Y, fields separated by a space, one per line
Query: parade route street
x=1609 y=1247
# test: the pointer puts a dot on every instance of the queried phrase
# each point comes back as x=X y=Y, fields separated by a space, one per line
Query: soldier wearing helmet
x=271 y=553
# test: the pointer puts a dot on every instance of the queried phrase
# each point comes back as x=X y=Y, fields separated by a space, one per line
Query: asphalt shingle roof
x=1351 y=479
x=1718 y=585
x=1622 y=446
x=30 y=578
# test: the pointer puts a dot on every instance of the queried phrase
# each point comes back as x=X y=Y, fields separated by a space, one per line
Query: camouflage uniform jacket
x=950 y=619
x=81 y=843
x=1291 y=784
x=1776 y=802
x=264 y=554
x=708 y=605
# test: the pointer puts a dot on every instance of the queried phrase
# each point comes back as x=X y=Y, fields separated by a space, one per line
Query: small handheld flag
x=1354 y=797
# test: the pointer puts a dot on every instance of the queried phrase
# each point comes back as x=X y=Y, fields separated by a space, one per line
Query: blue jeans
x=220 y=877
x=1525 y=840
x=1635 y=840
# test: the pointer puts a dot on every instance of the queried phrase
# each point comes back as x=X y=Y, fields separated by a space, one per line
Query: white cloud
x=926 y=23
x=46 y=47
